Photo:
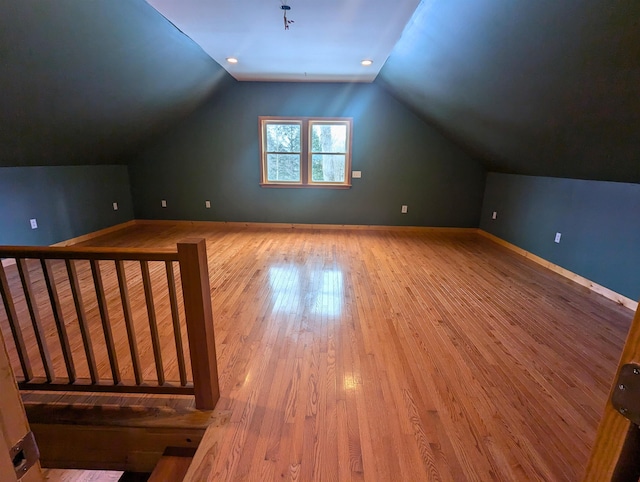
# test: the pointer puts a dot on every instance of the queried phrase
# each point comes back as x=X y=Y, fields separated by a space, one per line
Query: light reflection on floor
x=322 y=291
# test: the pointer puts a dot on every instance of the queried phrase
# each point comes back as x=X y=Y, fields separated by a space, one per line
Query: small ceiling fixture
x=232 y=60
x=366 y=62
x=286 y=8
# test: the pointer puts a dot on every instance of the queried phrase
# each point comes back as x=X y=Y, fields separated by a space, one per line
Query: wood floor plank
x=373 y=355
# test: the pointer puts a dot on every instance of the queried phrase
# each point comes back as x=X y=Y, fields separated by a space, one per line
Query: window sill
x=304 y=186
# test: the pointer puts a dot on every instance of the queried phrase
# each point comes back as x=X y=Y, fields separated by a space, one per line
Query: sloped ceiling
x=533 y=87
x=542 y=87
x=84 y=82
x=325 y=42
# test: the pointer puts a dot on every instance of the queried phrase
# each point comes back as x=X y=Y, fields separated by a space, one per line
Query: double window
x=305 y=152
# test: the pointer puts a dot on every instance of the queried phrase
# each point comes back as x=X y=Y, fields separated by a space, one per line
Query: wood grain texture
x=170 y=468
x=80 y=314
x=56 y=308
x=36 y=321
x=62 y=475
x=581 y=280
x=199 y=319
x=106 y=323
x=116 y=437
x=153 y=324
x=401 y=355
x=14 y=325
x=95 y=234
x=128 y=321
x=13 y=422
x=613 y=428
x=98 y=311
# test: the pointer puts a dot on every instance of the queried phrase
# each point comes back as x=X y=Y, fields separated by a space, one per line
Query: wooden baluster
x=14 y=324
x=56 y=308
x=194 y=273
x=82 y=320
x=155 y=339
x=104 y=317
x=175 y=317
x=128 y=320
x=25 y=278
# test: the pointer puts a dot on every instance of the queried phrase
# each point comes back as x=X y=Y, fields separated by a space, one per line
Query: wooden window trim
x=306 y=124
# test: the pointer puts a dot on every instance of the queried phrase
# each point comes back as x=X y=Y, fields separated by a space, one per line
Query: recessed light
x=232 y=60
x=366 y=62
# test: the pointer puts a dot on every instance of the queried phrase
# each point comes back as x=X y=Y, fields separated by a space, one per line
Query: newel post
x=194 y=273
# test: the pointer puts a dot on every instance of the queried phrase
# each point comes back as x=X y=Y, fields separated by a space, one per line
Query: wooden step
x=173 y=465
x=115 y=438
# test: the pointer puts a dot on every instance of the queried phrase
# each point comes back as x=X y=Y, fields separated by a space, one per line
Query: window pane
x=283 y=167
x=328 y=138
x=283 y=137
x=328 y=167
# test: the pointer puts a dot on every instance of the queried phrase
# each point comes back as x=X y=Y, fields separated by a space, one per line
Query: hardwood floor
x=379 y=356
x=58 y=475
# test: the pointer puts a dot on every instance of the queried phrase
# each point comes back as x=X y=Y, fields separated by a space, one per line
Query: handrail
x=98 y=329
x=89 y=253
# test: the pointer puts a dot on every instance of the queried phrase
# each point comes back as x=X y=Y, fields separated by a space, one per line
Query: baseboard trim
x=95 y=234
x=360 y=227
x=581 y=280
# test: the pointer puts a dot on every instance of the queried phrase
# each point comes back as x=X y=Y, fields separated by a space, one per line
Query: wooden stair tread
x=173 y=465
x=116 y=438
x=122 y=416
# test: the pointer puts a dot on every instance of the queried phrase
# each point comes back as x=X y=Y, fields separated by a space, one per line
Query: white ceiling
x=326 y=42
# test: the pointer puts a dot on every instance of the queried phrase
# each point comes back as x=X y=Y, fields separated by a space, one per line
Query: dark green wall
x=214 y=155
x=66 y=201
x=86 y=82
x=598 y=221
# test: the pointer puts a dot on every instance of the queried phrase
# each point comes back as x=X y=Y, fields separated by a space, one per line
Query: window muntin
x=305 y=152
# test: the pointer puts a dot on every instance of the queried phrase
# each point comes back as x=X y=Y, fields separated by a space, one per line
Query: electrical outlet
x=558 y=236
x=207 y=204
x=356 y=174
x=494 y=215
x=34 y=223
x=405 y=209
x=163 y=203
x=115 y=206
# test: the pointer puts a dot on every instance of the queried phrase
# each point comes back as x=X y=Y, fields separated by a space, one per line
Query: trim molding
x=362 y=227
x=85 y=237
x=95 y=234
x=581 y=280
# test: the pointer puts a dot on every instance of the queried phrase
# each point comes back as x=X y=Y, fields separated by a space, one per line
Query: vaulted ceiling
x=546 y=87
x=540 y=87
x=84 y=82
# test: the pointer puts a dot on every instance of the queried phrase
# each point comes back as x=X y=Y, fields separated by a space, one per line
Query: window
x=305 y=152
